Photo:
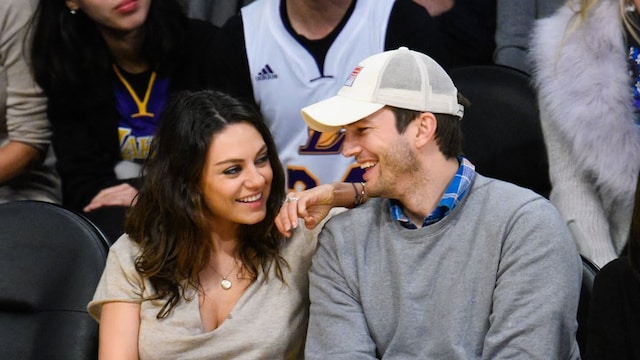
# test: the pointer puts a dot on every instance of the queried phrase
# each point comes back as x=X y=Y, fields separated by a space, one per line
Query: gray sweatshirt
x=499 y=277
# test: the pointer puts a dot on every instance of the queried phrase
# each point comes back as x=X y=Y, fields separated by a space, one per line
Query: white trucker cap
x=401 y=78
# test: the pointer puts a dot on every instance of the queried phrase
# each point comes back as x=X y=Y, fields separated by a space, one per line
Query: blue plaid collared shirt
x=455 y=192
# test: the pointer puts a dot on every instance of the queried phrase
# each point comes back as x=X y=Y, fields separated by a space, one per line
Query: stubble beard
x=395 y=166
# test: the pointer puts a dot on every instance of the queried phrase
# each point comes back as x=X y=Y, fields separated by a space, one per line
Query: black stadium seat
x=50 y=262
x=501 y=128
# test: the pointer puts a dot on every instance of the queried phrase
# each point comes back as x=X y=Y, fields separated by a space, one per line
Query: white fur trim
x=583 y=83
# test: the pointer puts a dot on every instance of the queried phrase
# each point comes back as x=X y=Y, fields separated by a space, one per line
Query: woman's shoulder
x=124 y=246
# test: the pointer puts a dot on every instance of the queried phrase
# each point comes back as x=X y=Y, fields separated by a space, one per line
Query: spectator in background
x=514 y=24
x=219 y=11
x=26 y=160
x=107 y=72
x=614 y=309
x=589 y=103
x=286 y=54
x=469 y=30
x=201 y=261
x=441 y=262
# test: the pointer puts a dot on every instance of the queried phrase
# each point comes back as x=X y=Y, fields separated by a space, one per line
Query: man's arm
x=537 y=289
x=337 y=326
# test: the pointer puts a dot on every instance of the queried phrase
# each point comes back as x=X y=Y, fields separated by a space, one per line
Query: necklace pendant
x=225 y=283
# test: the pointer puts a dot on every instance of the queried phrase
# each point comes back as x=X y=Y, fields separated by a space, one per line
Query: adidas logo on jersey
x=266 y=74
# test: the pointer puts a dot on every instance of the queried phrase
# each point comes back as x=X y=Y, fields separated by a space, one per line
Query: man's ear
x=426 y=125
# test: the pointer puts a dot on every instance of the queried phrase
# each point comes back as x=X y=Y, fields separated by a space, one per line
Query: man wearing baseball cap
x=441 y=262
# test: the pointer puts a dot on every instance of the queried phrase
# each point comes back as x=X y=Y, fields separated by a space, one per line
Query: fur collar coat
x=585 y=97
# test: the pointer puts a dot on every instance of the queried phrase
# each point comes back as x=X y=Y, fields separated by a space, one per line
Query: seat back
x=501 y=129
x=589 y=271
x=51 y=260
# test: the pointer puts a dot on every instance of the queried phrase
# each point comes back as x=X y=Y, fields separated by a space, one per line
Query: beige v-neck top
x=269 y=321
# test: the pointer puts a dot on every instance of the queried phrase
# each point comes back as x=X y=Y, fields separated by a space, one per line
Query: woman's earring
x=73 y=12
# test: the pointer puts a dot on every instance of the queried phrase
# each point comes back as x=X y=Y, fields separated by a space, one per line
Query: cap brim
x=333 y=113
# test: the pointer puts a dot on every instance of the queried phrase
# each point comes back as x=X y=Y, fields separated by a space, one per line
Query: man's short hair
x=448 y=134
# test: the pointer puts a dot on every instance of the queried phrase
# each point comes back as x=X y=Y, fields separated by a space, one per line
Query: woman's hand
x=119 y=195
x=313 y=205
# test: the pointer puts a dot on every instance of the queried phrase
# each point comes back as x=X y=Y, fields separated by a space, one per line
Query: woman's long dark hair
x=70 y=58
x=634 y=235
x=168 y=219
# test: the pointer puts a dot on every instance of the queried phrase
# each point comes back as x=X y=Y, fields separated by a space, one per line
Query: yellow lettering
x=128 y=148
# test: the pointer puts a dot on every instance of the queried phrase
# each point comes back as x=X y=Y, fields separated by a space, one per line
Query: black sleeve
x=232 y=66
x=411 y=25
x=195 y=69
x=468 y=32
x=85 y=143
x=612 y=331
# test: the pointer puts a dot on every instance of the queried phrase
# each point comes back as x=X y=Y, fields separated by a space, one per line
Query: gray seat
x=51 y=260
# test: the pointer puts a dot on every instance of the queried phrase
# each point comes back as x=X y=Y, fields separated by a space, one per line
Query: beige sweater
x=268 y=322
x=23 y=106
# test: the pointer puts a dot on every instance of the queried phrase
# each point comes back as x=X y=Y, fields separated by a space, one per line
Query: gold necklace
x=226 y=283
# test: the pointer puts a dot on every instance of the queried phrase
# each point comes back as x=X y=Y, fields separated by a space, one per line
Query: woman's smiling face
x=237 y=175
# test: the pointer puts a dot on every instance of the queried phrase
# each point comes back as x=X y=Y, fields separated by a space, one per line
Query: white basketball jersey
x=285 y=79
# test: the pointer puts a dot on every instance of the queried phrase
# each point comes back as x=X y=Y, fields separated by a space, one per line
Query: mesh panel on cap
x=439 y=80
x=401 y=72
x=414 y=81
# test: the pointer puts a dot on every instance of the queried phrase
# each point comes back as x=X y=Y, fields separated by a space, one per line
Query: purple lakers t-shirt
x=140 y=99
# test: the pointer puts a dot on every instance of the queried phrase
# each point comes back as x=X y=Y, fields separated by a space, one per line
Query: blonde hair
x=584 y=6
x=581 y=9
x=630 y=24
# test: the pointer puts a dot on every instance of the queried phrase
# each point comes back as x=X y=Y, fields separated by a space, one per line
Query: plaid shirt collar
x=455 y=192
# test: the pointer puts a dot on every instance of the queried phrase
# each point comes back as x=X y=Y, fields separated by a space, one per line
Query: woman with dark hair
x=107 y=68
x=614 y=311
x=201 y=261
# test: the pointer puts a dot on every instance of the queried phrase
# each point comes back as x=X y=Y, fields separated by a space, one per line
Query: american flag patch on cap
x=353 y=76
